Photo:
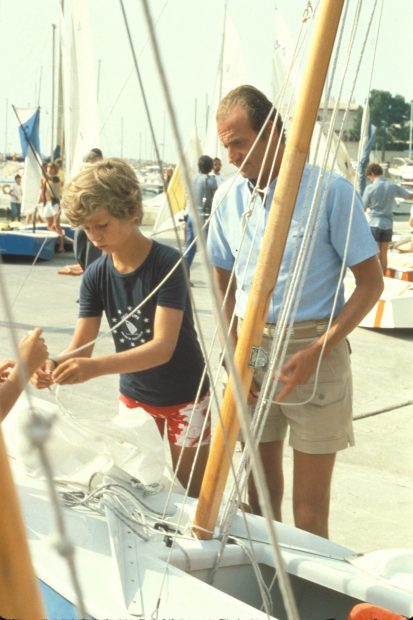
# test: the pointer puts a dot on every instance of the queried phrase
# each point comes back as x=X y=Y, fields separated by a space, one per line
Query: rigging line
x=131 y=72
x=297 y=51
x=171 y=112
x=185 y=169
x=263 y=403
x=347 y=239
x=238 y=392
x=393 y=407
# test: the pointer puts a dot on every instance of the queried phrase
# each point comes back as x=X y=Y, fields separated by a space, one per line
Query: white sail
x=231 y=72
x=79 y=86
x=31 y=182
x=286 y=74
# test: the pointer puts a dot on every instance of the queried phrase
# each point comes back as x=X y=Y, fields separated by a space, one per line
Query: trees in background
x=391 y=115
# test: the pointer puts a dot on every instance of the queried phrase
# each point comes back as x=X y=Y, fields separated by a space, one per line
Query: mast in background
x=52 y=112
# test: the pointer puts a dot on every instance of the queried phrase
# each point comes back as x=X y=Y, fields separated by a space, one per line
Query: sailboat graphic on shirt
x=134 y=329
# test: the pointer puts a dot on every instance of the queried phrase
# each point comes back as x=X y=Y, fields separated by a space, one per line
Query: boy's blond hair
x=109 y=183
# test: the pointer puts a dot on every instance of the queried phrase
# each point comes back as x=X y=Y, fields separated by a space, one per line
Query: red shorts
x=188 y=424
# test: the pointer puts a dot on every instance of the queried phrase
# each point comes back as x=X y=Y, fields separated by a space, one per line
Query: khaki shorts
x=325 y=424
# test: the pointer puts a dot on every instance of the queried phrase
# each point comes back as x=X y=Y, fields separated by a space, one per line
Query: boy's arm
x=153 y=353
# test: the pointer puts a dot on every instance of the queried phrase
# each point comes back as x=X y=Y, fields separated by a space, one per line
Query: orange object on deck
x=365 y=611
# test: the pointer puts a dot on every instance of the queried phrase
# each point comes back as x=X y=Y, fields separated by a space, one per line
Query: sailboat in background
x=17 y=241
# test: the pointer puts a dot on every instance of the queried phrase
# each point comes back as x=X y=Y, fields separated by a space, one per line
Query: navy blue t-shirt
x=106 y=290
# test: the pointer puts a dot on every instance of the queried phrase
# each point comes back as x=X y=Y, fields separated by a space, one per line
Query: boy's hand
x=75 y=370
x=42 y=377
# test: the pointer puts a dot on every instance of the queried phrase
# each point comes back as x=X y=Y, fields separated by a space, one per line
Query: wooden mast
x=269 y=261
x=19 y=593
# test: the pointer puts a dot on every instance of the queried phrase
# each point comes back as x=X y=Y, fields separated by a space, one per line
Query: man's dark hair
x=374 y=169
x=205 y=164
x=94 y=155
x=256 y=105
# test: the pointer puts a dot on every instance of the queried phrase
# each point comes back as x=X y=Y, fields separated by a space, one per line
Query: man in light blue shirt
x=320 y=421
x=378 y=200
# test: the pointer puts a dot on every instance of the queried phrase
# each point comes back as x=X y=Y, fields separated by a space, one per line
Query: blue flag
x=29 y=132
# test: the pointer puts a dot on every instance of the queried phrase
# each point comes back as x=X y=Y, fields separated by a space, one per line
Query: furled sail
x=81 y=123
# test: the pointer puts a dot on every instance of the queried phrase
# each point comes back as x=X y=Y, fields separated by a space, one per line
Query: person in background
x=320 y=422
x=378 y=200
x=60 y=171
x=168 y=176
x=204 y=186
x=158 y=356
x=85 y=252
x=16 y=195
x=32 y=355
x=216 y=170
x=50 y=197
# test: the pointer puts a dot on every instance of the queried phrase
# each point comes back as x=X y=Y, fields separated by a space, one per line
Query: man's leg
x=311 y=491
x=271 y=455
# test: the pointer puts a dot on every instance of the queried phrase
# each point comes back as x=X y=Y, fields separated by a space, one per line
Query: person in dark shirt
x=143 y=293
x=204 y=186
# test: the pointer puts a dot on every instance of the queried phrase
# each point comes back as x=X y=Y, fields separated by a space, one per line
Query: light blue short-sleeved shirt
x=228 y=246
x=379 y=197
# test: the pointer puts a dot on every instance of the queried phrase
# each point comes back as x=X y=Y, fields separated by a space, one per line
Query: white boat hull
x=123 y=576
x=394 y=310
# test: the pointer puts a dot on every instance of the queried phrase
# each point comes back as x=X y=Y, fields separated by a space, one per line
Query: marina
x=94 y=473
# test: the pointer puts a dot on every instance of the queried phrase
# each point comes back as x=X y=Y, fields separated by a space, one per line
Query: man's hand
x=297 y=370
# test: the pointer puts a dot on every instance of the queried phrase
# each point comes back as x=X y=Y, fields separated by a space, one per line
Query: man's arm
x=369 y=286
x=226 y=288
x=155 y=352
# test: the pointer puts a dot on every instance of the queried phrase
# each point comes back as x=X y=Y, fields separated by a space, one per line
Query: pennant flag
x=29 y=121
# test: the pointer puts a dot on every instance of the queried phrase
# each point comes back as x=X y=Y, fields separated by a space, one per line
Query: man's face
x=237 y=136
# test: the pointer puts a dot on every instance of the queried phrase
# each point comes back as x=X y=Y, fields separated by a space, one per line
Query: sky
x=189 y=34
